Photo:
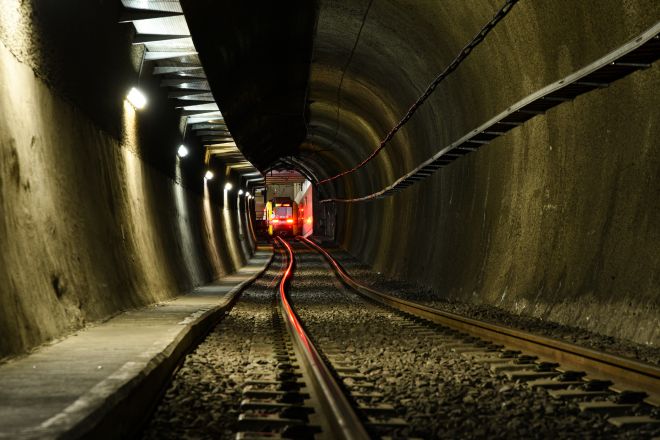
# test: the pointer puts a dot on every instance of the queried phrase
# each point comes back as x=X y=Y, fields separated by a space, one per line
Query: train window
x=284 y=211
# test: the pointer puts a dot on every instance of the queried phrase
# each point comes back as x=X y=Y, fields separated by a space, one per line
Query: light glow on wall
x=211 y=240
x=190 y=256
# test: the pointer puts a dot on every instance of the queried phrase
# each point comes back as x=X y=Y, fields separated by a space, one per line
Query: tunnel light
x=136 y=98
x=228 y=186
x=240 y=192
x=182 y=151
x=208 y=175
x=248 y=195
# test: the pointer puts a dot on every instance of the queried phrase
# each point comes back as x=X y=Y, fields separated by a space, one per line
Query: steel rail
x=346 y=424
x=625 y=373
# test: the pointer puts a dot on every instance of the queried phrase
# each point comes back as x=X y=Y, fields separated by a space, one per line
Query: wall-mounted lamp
x=240 y=192
x=248 y=195
x=136 y=98
x=182 y=151
x=228 y=186
x=208 y=175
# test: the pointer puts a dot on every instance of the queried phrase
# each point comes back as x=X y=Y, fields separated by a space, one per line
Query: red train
x=282 y=217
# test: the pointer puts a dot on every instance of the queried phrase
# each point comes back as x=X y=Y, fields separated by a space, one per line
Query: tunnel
x=500 y=157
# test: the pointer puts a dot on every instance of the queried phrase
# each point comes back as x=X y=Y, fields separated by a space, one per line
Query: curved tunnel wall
x=559 y=218
x=97 y=216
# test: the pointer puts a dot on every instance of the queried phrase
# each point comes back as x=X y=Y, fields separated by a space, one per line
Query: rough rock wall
x=560 y=217
x=87 y=227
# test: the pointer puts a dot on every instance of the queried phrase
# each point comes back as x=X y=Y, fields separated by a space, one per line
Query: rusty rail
x=625 y=373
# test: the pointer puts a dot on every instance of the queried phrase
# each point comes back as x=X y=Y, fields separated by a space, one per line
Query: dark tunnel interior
x=557 y=218
x=527 y=181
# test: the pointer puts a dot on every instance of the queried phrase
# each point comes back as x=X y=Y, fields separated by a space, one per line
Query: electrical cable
x=463 y=54
x=343 y=72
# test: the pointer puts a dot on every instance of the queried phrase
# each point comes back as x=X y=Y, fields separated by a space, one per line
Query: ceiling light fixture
x=136 y=98
x=182 y=151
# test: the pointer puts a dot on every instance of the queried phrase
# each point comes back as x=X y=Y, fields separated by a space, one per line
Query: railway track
x=308 y=352
x=257 y=375
x=622 y=391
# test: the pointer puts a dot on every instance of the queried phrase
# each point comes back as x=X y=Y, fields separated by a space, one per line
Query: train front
x=282 y=219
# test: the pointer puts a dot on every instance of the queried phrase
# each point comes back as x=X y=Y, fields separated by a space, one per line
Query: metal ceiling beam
x=225 y=146
x=152 y=38
x=179 y=81
x=207 y=126
x=210 y=113
x=130 y=15
x=216 y=138
x=152 y=56
x=198 y=119
x=188 y=92
x=194 y=64
x=197 y=98
x=211 y=132
x=193 y=86
x=165 y=70
x=206 y=106
x=228 y=152
x=182 y=103
x=197 y=76
x=176 y=69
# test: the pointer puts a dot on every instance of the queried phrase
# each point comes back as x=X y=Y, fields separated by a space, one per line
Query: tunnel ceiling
x=170 y=54
x=277 y=79
x=257 y=60
x=315 y=85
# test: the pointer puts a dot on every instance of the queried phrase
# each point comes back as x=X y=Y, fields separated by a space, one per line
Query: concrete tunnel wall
x=98 y=216
x=559 y=218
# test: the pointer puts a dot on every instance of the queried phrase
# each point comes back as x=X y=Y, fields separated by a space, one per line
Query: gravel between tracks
x=203 y=399
x=488 y=313
x=439 y=393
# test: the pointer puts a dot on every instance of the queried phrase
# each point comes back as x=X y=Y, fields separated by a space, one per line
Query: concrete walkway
x=99 y=381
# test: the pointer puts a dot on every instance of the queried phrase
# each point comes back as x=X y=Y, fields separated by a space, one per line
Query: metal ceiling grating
x=161 y=27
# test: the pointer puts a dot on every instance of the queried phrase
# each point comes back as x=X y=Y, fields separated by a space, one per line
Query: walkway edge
x=116 y=406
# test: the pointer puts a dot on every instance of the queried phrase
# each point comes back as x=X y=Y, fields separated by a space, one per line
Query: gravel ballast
x=203 y=399
x=437 y=391
x=495 y=315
